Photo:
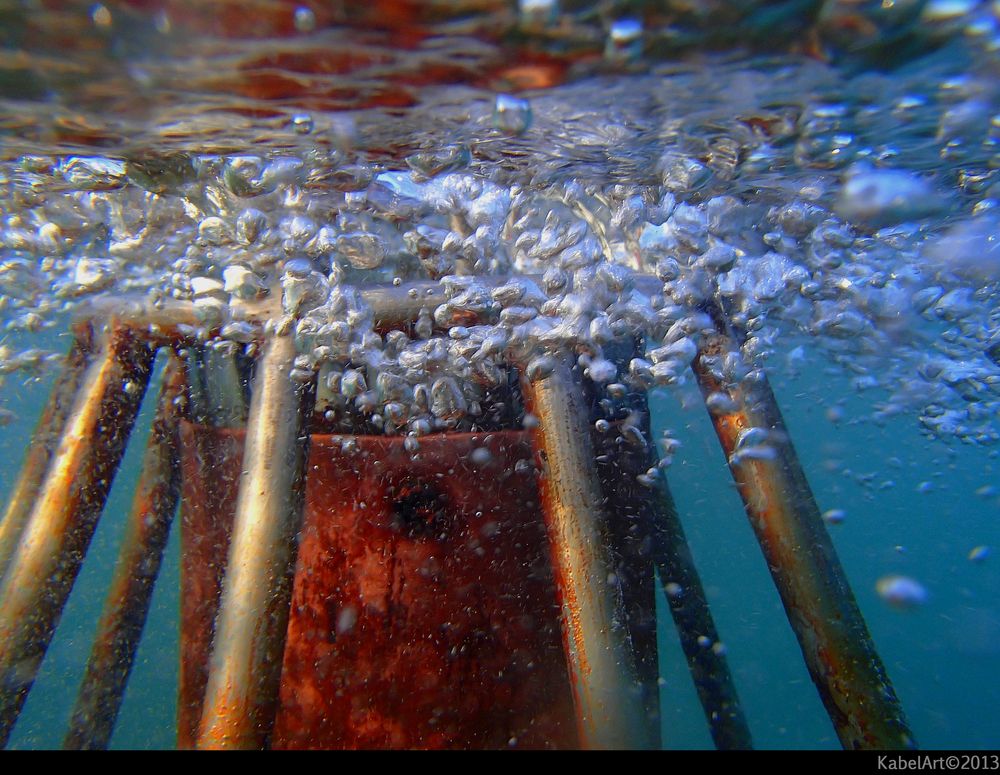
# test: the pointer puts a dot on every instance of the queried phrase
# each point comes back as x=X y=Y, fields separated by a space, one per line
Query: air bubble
x=511 y=114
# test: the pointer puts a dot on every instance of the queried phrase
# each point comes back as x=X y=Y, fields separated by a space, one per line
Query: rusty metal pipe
x=62 y=520
x=648 y=534
x=391 y=306
x=821 y=608
x=245 y=666
x=131 y=590
x=43 y=444
x=607 y=692
x=693 y=618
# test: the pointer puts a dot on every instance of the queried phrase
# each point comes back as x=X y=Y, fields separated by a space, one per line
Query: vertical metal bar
x=131 y=590
x=62 y=520
x=245 y=667
x=696 y=628
x=43 y=445
x=821 y=608
x=648 y=534
x=606 y=689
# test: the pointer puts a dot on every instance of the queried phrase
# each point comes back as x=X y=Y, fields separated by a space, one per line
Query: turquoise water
x=827 y=172
x=942 y=657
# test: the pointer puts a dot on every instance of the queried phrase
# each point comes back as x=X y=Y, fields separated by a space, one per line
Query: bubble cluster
x=847 y=214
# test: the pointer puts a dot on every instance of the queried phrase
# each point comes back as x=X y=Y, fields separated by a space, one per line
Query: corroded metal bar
x=821 y=608
x=131 y=589
x=607 y=691
x=249 y=640
x=43 y=444
x=648 y=534
x=62 y=520
x=391 y=306
x=693 y=618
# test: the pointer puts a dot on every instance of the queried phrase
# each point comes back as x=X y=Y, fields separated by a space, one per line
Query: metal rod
x=391 y=305
x=693 y=619
x=245 y=667
x=607 y=692
x=648 y=534
x=821 y=608
x=131 y=590
x=43 y=444
x=62 y=520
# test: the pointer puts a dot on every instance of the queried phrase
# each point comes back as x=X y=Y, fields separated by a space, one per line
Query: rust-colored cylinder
x=62 y=520
x=838 y=649
x=423 y=612
x=139 y=558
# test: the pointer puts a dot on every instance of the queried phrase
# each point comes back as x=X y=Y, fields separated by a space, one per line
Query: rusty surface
x=818 y=601
x=607 y=687
x=63 y=518
x=245 y=667
x=423 y=613
x=131 y=590
x=210 y=474
x=43 y=444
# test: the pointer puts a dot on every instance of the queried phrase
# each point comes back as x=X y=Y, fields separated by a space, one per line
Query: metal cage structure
x=607 y=540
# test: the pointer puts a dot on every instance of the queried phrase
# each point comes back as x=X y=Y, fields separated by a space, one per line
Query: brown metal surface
x=424 y=613
x=210 y=474
x=131 y=590
x=821 y=608
x=607 y=690
x=62 y=521
x=43 y=444
x=245 y=667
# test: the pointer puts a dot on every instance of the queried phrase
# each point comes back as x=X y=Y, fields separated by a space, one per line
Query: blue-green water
x=943 y=657
x=827 y=172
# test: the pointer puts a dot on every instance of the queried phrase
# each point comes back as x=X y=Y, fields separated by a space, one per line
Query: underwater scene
x=500 y=374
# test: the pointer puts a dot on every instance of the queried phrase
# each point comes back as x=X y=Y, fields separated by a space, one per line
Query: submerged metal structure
x=606 y=544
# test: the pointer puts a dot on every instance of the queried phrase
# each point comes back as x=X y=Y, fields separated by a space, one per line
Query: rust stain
x=423 y=613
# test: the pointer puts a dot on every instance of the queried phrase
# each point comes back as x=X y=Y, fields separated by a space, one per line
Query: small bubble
x=302 y=123
x=346 y=619
x=901 y=592
x=720 y=403
x=980 y=553
x=480 y=457
x=511 y=114
x=100 y=15
x=305 y=19
x=624 y=40
x=834 y=516
x=538 y=12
